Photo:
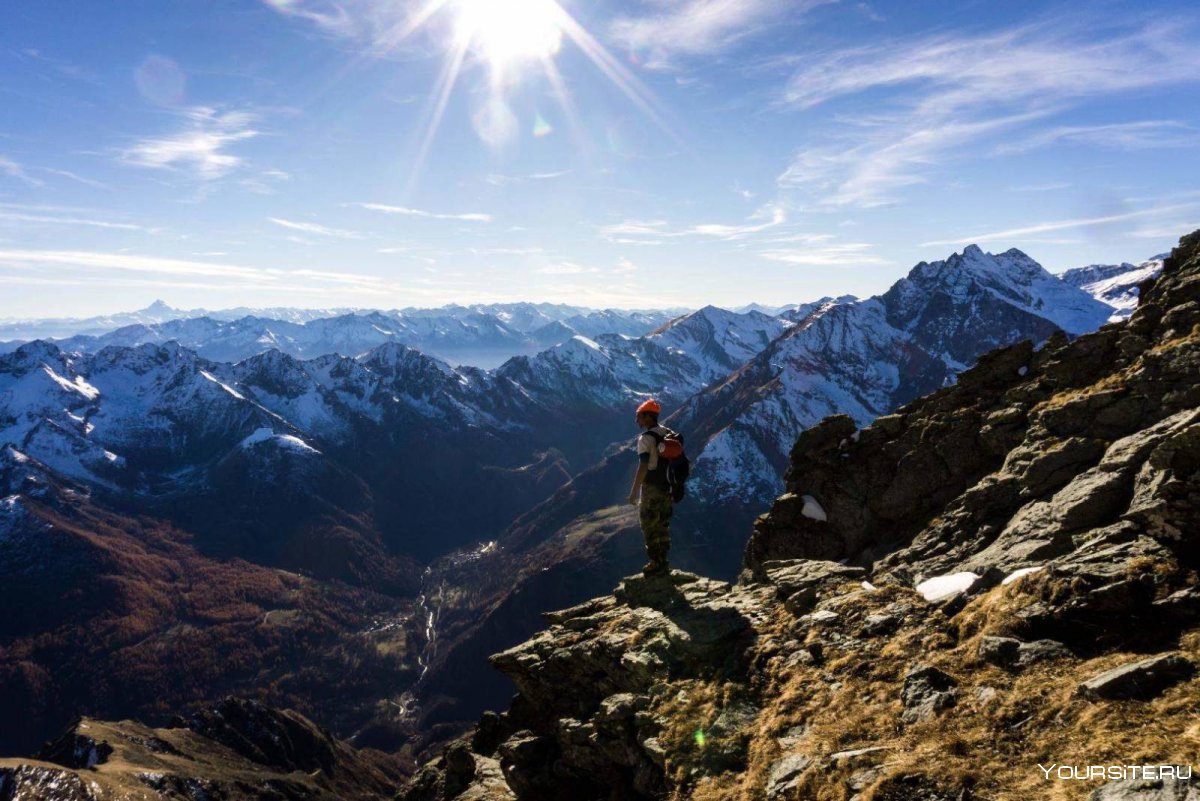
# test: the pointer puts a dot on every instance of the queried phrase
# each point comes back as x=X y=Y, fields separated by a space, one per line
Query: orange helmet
x=652 y=406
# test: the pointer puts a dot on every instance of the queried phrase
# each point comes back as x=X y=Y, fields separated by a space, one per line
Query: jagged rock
x=797 y=575
x=460 y=769
x=880 y=624
x=999 y=650
x=856 y=755
x=1040 y=651
x=926 y=692
x=1011 y=652
x=1185 y=602
x=784 y=776
x=1169 y=789
x=75 y=750
x=1139 y=680
x=489 y=733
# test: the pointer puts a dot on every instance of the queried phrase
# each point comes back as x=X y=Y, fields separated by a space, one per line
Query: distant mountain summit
x=482 y=335
x=867 y=357
x=1115 y=284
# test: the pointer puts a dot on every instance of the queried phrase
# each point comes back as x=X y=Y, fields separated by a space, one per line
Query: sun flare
x=506 y=34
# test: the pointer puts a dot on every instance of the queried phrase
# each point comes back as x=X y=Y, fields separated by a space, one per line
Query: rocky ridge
x=232 y=751
x=1000 y=575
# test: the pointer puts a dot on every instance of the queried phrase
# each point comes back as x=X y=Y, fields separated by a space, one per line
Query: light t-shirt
x=647 y=448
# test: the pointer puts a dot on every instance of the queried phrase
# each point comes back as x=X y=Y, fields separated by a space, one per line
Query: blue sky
x=636 y=153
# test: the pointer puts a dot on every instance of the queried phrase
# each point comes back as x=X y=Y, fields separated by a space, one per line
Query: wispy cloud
x=946 y=93
x=498 y=179
x=14 y=170
x=314 y=228
x=409 y=212
x=633 y=230
x=172 y=268
x=1010 y=234
x=68 y=221
x=201 y=148
x=1143 y=135
x=854 y=254
x=1046 y=187
x=381 y=25
x=77 y=178
x=674 y=28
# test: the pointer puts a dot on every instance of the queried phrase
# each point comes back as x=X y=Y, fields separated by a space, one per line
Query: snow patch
x=284 y=441
x=222 y=385
x=813 y=510
x=591 y=343
x=78 y=385
x=1016 y=574
x=940 y=587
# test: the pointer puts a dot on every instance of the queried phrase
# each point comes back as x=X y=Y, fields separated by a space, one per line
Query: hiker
x=652 y=486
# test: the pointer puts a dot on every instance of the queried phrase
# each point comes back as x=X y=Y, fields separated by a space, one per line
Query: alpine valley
x=207 y=517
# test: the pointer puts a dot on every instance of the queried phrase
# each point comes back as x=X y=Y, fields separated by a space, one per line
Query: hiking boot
x=656 y=569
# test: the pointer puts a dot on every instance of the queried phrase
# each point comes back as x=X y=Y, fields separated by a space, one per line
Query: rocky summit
x=990 y=594
x=958 y=601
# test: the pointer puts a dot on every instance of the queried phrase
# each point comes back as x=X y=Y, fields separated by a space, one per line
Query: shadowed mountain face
x=118 y=615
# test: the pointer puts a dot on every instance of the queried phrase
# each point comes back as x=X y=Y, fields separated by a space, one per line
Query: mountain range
x=482 y=335
x=463 y=500
x=998 y=570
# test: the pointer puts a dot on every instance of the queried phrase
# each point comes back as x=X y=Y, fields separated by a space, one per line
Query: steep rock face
x=235 y=750
x=1029 y=455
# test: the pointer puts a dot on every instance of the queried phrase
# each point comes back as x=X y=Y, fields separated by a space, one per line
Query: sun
x=509 y=33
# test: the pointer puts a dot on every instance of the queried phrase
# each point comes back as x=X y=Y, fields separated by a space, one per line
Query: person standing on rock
x=650 y=486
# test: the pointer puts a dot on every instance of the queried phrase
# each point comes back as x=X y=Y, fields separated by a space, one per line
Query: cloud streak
x=314 y=228
x=429 y=215
x=165 y=267
x=852 y=254
x=1144 y=135
x=69 y=221
x=1059 y=225
x=632 y=231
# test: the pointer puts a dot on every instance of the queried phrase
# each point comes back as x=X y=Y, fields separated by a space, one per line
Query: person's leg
x=655 y=512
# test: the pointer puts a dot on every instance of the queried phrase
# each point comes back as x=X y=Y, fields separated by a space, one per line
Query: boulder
x=1138 y=680
x=926 y=692
x=784 y=776
x=1170 y=789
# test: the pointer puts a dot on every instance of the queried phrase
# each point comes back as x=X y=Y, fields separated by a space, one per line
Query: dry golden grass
x=1004 y=723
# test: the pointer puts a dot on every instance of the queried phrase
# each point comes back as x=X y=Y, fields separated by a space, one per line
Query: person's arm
x=636 y=490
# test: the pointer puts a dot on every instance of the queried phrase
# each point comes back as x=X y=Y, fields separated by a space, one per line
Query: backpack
x=677 y=468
